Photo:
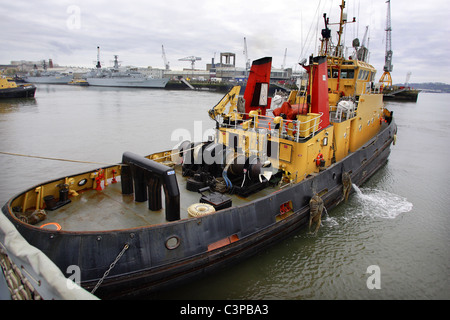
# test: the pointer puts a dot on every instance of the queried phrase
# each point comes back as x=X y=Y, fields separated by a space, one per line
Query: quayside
x=154 y=221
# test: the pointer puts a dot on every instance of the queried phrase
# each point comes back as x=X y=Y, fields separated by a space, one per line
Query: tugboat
x=10 y=89
x=260 y=179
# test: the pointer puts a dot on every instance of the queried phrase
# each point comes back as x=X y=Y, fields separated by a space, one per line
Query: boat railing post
x=148 y=176
x=126 y=179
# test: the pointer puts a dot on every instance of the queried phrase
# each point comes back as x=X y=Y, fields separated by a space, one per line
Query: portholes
x=173 y=242
x=82 y=182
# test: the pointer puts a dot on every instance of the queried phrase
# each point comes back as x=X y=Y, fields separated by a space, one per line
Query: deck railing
x=301 y=129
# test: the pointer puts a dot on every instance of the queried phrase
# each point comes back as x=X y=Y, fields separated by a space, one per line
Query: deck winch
x=208 y=164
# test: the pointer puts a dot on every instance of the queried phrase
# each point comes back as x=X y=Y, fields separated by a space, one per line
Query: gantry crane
x=192 y=59
x=386 y=78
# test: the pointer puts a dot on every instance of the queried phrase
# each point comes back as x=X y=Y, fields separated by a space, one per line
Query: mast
x=338 y=51
x=326 y=33
x=386 y=77
x=98 y=66
x=116 y=62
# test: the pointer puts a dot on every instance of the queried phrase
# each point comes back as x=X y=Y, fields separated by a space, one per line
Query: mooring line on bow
x=55 y=159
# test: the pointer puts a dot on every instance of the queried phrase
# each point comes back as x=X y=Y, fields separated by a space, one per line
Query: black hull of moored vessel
x=18 y=92
x=148 y=264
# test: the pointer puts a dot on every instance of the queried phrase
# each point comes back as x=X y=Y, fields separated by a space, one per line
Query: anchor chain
x=112 y=265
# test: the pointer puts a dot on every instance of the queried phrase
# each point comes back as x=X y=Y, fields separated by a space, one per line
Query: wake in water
x=382 y=204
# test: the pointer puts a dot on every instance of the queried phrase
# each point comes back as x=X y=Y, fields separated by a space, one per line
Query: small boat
x=79 y=82
x=153 y=221
x=10 y=89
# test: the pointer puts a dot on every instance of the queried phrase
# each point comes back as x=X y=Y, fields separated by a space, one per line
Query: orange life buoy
x=51 y=226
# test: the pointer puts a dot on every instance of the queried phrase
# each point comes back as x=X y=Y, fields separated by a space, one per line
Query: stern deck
x=109 y=209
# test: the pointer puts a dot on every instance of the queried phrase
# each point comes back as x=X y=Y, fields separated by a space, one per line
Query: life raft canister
x=320 y=162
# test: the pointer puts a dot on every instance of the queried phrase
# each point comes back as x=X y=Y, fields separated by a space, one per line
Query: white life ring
x=200 y=209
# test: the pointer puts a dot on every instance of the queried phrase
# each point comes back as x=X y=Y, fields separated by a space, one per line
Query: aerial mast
x=326 y=33
x=386 y=77
x=99 y=65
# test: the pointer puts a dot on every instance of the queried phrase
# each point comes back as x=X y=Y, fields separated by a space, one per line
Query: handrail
x=311 y=125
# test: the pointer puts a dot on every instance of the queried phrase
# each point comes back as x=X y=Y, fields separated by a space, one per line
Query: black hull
x=148 y=265
x=19 y=92
x=407 y=96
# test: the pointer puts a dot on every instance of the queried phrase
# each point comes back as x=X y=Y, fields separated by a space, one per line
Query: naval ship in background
x=48 y=77
x=128 y=77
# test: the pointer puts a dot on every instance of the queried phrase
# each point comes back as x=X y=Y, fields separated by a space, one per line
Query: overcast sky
x=70 y=31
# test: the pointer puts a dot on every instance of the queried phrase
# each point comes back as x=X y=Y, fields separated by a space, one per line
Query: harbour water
x=389 y=241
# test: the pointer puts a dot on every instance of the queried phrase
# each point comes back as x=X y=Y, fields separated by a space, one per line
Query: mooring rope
x=82 y=161
x=56 y=159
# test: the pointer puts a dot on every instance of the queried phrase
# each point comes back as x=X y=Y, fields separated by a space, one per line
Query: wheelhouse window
x=363 y=74
x=334 y=73
x=347 y=73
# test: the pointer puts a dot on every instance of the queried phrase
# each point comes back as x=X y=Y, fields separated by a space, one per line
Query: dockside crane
x=284 y=59
x=166 y=63
x=192 y=59
x=247 y=60
x=386 y=78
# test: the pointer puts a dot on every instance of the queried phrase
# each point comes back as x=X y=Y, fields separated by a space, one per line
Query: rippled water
x=398 y=220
